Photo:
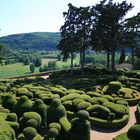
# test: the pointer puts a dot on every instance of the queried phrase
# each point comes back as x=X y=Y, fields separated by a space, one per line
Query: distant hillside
x=36 y=40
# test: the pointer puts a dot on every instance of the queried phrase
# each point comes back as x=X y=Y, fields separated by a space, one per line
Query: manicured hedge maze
x=35 y=110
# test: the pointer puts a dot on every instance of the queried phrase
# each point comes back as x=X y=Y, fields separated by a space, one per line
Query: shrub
x=29 y=133
x=71 y=96
x=32 y=123
x=85 y=97
x=55 y=125
x=53 y=132
x=68 y=105
x=3 y=88
x=23 y=105
x=77 y=101
x=41 y=109
x=14 y=125
x=93 y=94
x=109 y=98
x=98 y=100
x=83 y=114
x=30 y=115
x=134 y=132
x=55 y=111
x=24 y=91
x=118 y=109
x=8 y=101
x=114 y=87
x=99 y=111
x=56 y=90
x=83 y=105
x=12 y=117
x=123 y=102
x=122 y=136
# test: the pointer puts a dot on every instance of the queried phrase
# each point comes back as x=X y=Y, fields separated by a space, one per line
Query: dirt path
x=108 y=134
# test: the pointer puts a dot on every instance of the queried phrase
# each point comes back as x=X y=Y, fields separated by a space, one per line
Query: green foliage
x=53 y=132
x=114 y=87
x=45 y=40
x=55 y=125
x=93 y=94
x=23 y=105
x=8 y=101
x=118 y=109
x=12 y=117
x=32 y=68
x=83 y=114
x=83 y=105
x=122 y=136
x=134 y=132
x=29 y=133
x=32 y=123
x=28 y=116
x=99 y=111
x=77 y=101
x=55 y=111
x=3 y=88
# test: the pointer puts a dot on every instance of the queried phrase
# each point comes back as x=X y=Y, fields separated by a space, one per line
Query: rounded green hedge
x=134 y=132
x=29 y=133
x=12 y=117
x=23 y=105
x=8 y=101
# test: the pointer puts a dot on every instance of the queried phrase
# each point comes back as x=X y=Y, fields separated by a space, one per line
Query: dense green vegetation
x=32 y=41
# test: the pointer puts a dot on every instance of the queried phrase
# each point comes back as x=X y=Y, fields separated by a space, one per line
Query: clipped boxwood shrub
x=53 y=132
x=122 y=136
x=32 y=123
x=30 y=115
x=99 y=111
x=71 y=96
x=77 y=101
x=12 y=117
x=55 y=125
x=134 y=132
x=118 y=109
x=83 y=105
x=68 y=105
x=29 y=133
x=83 y=114
x=116 y=123
x=123 y=102
x=55 y=111
x=41 y=109
x=3 y=88
x=23 y=105
x=93 y=94
x=109 y=98
x=98 y=100
x=114 y=87
x=24 y=91
x=8 y=101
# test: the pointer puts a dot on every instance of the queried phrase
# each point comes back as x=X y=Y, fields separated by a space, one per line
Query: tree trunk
x=108 y=59
x=113 y=60
x=83 y=61
x=132 y=57
x=122 y=56
x=72 y=57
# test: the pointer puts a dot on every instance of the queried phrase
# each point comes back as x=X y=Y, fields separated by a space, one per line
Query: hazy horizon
x=25 y=16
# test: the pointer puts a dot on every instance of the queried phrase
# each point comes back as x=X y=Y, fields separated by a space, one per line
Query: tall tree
x=109 y=18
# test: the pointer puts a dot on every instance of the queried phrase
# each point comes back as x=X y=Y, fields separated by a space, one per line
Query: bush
x=123 y=102
x=122 y=136
x=98 y=100
x=68 y=105
x=134 y=132
x=99 y=111
x=55 y=111
x=71 y=97
x=8 y=101
x=109 y=98
x=32 y=123
x=30 y=115
x=12 y=117
x=41 y=109
x=23 y=105
x=3 y=88
x=55 y=125
x=53 y=132
x=83 y=114
x=24 y=91
x=83 y=105
x=77 y=101
x=118 y=109
x=93 y=94
x=114 y=87
x=29 y=133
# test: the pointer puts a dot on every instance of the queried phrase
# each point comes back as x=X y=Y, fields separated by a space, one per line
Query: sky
x=23 y=16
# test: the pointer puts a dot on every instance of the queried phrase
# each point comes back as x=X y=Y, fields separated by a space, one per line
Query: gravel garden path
x=108 y=134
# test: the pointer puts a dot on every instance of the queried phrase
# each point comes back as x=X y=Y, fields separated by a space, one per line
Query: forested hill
x=36 y=40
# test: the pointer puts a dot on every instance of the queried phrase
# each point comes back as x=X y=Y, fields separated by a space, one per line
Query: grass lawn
x=12 y=70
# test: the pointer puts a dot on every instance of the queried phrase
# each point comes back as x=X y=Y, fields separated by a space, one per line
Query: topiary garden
x=38 y=110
